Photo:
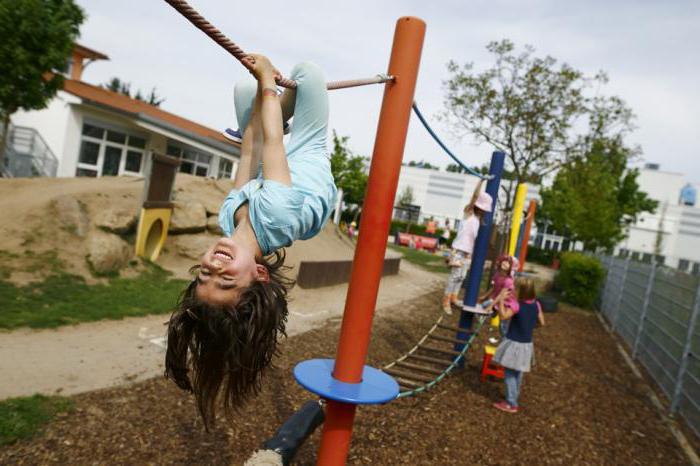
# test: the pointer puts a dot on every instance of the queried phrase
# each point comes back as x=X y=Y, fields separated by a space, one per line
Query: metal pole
x=481 y=246
x=692 y=322
x=645 y=307
x=526 y=235
x=374 y=228
x=520 y=194
x=619 y=296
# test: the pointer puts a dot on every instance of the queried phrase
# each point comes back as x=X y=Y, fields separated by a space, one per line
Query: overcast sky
x=650 y=49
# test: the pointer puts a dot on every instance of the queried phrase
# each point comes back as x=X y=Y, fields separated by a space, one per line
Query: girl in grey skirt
x=515 y=352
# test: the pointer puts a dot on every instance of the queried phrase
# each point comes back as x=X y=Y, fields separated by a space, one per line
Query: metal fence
x=656 y=311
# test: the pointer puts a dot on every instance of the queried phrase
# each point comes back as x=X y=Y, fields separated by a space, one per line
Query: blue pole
x=480 y=248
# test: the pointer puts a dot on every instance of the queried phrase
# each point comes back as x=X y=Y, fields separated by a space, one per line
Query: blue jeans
x=514 y=380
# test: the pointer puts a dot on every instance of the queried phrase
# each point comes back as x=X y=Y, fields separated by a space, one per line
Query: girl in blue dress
x=515 y=352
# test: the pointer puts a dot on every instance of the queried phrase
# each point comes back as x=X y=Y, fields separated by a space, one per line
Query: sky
x=650 y=50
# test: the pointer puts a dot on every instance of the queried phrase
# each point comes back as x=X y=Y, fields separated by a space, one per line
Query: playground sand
x=581 y=405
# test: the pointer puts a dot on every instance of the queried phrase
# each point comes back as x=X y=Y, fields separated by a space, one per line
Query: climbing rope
x=445 y=148
x=410 y=375
x=209 y=29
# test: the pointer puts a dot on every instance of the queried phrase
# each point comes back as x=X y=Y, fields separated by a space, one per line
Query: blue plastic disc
x=316 y=375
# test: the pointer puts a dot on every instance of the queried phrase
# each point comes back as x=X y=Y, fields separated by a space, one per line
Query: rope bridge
x=425 y=365
x=227 y=44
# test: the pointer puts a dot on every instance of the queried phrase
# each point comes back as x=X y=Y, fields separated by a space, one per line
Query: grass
x=64 y=299
x=430 y=262
x=24 y=417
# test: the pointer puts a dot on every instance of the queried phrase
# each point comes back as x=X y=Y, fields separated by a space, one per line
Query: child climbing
x=502 y=280
x=515 y=352
x=231 y=315
x=463 y=245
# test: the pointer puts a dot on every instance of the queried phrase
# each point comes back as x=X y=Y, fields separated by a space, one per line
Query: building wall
x=56 y=125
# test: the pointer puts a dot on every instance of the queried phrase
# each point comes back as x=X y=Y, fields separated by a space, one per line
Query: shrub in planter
x=579 y=278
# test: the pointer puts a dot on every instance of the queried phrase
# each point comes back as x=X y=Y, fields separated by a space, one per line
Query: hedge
x=579 y=278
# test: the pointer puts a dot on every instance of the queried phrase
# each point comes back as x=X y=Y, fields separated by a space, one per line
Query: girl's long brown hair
x=224 y=350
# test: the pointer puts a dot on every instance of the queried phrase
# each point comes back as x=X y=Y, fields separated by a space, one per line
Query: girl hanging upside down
x=232 y=314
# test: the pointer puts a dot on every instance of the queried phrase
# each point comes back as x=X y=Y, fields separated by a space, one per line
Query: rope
x=227 y=44
x=445 y=148
x=455 y=362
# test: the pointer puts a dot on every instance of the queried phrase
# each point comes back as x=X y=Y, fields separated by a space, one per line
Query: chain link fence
x=656 y=311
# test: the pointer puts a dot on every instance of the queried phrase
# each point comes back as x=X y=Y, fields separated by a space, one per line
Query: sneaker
x=476 y=309
x=447 y=309
x=505 y=407
x=235 y=135
x=493 y=340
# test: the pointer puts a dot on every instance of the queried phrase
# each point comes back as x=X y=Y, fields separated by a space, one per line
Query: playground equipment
x=520 y=194
x=346 y=382
x=522 y=257
x=157 y=207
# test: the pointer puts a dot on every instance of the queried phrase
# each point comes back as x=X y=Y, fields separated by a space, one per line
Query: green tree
x=349 y=171
x=406 y=197
x=37 y=39
x=423 y=164
x=123 y=87
x=542 y=114
x=596 y=197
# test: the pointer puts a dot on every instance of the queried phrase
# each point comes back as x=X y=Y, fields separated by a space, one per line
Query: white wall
x=55 y=124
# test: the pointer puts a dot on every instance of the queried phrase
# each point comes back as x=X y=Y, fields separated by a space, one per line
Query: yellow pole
x=517 y=217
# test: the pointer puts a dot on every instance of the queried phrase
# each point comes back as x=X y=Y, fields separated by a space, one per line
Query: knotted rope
x=227 y=44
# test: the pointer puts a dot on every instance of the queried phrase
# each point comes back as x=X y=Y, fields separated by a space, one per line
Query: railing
x=27 y=154
x=656 y=311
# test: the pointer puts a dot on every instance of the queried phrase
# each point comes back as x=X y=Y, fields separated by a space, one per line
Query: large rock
x=192 y=246
x=71 y=215
x=188 y=217
x=119 y=221
x=213 y=225
x=210 y=199
x=107 y=253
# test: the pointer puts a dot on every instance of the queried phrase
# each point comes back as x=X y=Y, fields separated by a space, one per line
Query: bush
x=579 y=278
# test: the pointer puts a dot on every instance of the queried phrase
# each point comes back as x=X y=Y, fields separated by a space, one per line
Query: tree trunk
x=3 y=140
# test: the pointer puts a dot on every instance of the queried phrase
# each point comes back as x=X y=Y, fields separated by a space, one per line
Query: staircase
x=27 y=154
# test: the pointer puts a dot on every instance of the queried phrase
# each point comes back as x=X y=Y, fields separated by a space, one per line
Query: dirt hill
x=80 y=224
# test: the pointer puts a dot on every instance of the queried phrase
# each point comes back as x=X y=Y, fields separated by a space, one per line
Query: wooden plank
x=418 y=367
x=441 y=362
x=447 y=339
x=408 y=375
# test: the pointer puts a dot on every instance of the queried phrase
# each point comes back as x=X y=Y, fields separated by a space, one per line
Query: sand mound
x=43 y=226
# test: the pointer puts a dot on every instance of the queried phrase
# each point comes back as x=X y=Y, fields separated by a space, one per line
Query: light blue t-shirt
x=281 y=214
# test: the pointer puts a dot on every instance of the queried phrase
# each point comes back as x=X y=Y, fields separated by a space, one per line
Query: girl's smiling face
x=505 y=266
x=225 y=270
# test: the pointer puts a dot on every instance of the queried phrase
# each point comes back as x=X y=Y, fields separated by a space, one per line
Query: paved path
x=91 y=356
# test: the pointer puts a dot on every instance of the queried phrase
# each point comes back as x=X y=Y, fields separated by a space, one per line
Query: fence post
x=606 y=261
x=686 y=352
x=623 y=279
x=645 y=306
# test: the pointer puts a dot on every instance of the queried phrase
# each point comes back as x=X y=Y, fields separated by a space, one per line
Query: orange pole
x=526 y=234
x=374 y=228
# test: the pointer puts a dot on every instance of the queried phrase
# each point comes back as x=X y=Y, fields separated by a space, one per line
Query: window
x=193 y=161
x=547 y=244
x=696 y=268
x=646 y=258
x=683 y=265
x=225 y=168
x=109 y=152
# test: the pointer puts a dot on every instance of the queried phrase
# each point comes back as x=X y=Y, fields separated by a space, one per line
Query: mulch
x=580 y=405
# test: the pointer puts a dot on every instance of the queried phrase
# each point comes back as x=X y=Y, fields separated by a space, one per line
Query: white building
x=672 y=233
x=673 y=230
x=87 y=130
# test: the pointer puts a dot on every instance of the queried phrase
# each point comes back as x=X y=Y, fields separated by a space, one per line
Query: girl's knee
x=307 y=70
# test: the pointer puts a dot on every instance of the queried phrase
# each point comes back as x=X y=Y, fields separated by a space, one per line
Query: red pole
x=374 y=228
x=526 y=234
